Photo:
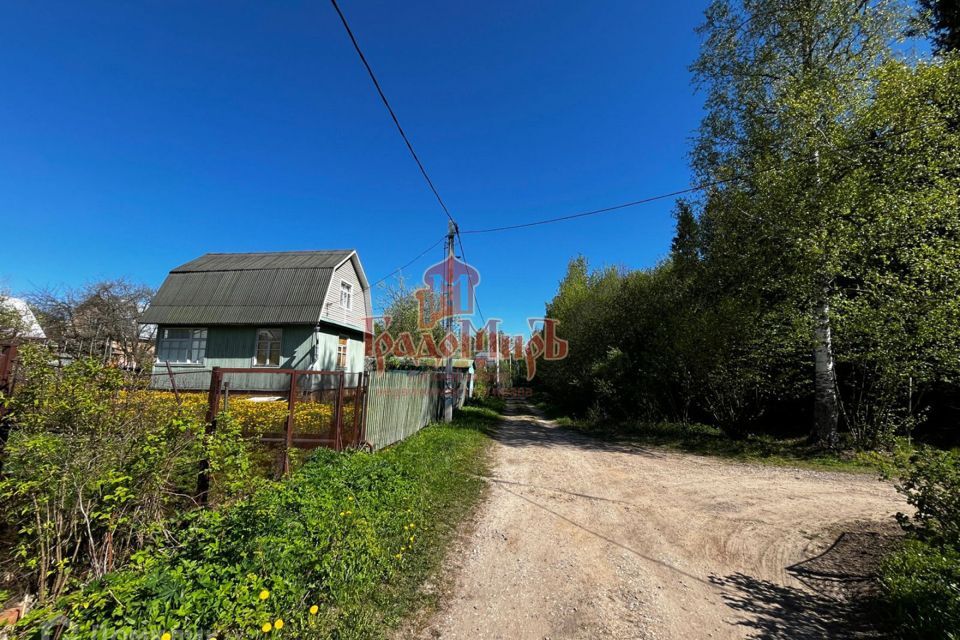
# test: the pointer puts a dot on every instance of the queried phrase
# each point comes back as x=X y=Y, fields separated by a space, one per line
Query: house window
x=268 y=348
x=182 y=346
x=342 y=353
x=346 y=295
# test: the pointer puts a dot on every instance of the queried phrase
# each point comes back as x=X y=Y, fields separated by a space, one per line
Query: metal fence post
x=291 y=408
x=213 y=407
x=338 y=427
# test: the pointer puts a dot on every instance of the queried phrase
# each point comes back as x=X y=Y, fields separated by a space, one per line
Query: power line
x=673 y=194
x=420 y=255
x=393 y=115
x=594 y=212
x=476 y=300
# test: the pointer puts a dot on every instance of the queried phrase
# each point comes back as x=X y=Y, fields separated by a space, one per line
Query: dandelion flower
x=412 y=538
x=413 y=526
x=278 y=624
x=343 y=513
x=314 y=609
x=398 y=556
x=264 y=594
x=266 y=628
x=350 y=498
x=165 y=636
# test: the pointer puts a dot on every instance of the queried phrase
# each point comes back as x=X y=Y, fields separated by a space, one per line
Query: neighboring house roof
x=31 y=328
x=249 y=288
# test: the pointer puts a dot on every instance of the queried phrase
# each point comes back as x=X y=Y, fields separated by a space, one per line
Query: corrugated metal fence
x=400 y=403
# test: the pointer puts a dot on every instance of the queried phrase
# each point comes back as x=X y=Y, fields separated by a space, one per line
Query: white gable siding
x=332 y=310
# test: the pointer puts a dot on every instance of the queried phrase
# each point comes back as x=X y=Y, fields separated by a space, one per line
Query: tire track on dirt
x=582 y=538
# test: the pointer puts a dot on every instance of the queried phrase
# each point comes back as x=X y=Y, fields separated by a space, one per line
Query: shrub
x=921 y=584
x=339 y=535
x=921 y=580
x=930 y=481
x=92 y=473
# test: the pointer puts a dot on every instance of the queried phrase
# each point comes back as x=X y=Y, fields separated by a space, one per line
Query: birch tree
x=783 y=79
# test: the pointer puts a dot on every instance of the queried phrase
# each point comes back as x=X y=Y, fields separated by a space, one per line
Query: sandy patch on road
x=582 y=538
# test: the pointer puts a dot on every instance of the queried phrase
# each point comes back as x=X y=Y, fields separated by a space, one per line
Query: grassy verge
x=707 y=440
x=339 y=550
x=921 y=591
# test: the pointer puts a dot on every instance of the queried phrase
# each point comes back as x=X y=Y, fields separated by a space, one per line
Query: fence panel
x=400 y=403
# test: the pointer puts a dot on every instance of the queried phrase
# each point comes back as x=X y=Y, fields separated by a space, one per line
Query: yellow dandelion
x=264 y=594
x=343 y=513
x=267 y=627
x=412 y=538
x=278 y=624
x=314 y=609
x=350 y=498
x=413 y=526
x=349 y=513
x=165 y=636
x=402 y=549
x=398 y=556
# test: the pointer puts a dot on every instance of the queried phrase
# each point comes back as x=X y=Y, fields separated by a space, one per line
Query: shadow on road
x=840 y=590
x=777 y=612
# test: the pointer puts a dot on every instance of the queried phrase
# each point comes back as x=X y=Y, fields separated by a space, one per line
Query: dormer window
x=346 y=295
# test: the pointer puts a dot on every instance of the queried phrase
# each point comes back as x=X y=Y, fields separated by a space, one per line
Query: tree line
x=814 y=283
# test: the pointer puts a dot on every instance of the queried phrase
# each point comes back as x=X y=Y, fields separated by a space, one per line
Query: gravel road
x=583 y=538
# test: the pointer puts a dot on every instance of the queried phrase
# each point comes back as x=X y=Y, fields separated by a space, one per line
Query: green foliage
x=921 y=584
x=930 y=481
x=855 y=213
x=921 y=580
x=352 y=534
x=92 y=473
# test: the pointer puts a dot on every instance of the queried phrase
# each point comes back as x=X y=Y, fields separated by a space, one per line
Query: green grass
x=921 y=591
x=707 y=440
x=449 y=460
x=354 y=534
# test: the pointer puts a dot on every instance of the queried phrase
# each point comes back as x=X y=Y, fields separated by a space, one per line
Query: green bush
x=349 y=534
x=921 y=584
x=93 y=472
x=930 y=480
x=921 y=580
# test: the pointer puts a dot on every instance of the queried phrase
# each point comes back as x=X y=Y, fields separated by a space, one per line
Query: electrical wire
x=699 y=187
x=420 y=255
x=393 y=115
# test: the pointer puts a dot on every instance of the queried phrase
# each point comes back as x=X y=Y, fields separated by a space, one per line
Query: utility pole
x=448 y=378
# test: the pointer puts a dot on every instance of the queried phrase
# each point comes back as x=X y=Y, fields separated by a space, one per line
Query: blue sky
x=137 y=136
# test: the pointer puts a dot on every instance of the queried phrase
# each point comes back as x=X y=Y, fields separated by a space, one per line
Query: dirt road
x=580 y=538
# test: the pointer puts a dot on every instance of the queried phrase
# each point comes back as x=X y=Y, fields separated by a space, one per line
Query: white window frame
x=344 y=342
x=196 y=341
x=346 y=287
x=256 y=348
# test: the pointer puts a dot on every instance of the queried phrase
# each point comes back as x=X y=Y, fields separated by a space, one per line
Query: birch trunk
x=825 y=411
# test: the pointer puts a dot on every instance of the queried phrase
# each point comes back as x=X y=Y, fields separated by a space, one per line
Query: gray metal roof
x=246 y=288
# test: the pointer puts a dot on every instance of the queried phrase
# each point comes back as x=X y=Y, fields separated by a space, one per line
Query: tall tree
x=782 y=79
x=100 y=319
x=941 y=20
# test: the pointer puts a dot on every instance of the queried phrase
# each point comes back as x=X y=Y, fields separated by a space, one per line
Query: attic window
x=268 y=348
x=181 y=345
x=346 y=295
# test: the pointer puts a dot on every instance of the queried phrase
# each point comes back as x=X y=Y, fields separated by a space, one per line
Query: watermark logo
x=447 y=293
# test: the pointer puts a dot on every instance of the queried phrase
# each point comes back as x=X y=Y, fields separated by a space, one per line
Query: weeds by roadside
x=339 y=550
